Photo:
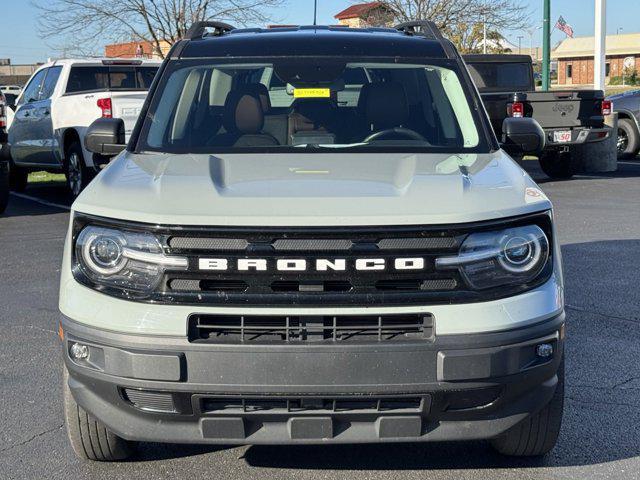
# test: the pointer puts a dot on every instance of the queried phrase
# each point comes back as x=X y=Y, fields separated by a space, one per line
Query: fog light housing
x=79 y=351
x=544 y=350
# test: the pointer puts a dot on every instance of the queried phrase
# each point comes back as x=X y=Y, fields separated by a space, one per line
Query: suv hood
x=334 y=189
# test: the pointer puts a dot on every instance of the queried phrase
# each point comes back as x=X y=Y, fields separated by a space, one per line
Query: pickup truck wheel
x=628 y=139
x=558 y=165
x=77 y=173
x=89 y=438
x=538 y=434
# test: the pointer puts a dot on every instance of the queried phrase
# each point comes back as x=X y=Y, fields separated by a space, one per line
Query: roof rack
x=427 y=29
x=199 y=29
x=420 y=27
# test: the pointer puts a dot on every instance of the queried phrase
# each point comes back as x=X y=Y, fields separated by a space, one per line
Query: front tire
x=558 y=165
x=538 y=434
x=89 y=438
x=77 y=173
x=628 y=139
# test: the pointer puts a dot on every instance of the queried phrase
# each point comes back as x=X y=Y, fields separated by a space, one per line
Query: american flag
x=563 y=26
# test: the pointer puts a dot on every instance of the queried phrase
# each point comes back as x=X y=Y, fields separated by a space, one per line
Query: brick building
x=576 y=63
x=371 y=14
x=134 y=50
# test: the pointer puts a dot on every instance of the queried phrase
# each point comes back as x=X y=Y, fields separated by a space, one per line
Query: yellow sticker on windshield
x=312 y=93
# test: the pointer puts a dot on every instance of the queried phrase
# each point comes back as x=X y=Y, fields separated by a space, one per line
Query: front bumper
x=453 y=387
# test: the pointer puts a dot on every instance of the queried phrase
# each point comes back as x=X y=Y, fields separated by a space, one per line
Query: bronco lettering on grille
x=303 y=265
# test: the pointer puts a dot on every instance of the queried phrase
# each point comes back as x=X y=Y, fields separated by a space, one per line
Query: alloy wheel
x=623 y=140
x=75 y=174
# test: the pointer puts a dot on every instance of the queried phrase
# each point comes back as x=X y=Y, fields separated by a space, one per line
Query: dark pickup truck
x=568 y=117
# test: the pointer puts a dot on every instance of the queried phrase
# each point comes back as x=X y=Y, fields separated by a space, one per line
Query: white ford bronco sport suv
x=313 y=236
x=60 y=101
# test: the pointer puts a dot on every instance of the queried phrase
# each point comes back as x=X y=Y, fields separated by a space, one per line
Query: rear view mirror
x=522 y=136
x=105 y=136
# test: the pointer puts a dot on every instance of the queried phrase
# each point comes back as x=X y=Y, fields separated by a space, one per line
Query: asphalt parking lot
x=598 y=218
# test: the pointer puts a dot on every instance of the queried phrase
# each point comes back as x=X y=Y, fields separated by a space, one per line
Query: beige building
x=576 y=63
x=16 y=74
x=371 y=14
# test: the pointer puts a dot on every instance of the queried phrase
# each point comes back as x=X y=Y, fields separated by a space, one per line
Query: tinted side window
x=501 y=76
x=144 y=76
x=32 y=90
x=84 y=79
x=50 y=82
x=90 y=78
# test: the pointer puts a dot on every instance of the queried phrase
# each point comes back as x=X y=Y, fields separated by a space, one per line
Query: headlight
x=491 y=259
x=129 y=261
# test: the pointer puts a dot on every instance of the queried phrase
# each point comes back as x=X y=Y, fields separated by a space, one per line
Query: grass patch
x=45 y=177
x=620 y=89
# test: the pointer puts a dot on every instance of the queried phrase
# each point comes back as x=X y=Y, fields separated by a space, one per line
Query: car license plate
x=562 y=137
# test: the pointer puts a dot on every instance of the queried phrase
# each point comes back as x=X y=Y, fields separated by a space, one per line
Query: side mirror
x=105 y=136
x=522 y=136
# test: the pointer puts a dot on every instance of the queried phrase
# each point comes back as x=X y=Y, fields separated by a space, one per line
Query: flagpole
x=546 y=47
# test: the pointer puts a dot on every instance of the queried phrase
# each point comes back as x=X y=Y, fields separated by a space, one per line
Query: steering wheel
x=398 y=131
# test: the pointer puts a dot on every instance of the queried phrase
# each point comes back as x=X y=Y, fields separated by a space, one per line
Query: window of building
x=569 y=71
x=607 y=69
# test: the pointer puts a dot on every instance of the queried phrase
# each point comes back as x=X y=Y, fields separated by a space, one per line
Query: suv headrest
x=243 y=113
x=261 y=91
x=384 y=105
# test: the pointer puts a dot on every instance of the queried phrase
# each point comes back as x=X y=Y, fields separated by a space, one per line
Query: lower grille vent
x=280 y=328
x=150 y=401
x=417 y=285
x=315 y=405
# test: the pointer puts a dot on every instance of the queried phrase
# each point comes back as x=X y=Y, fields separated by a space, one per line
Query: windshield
x=316 y=104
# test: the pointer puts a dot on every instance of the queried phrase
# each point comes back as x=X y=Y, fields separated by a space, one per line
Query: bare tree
x=89 y=24
x=461 y=19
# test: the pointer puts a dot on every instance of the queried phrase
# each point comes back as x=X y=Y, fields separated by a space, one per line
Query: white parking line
x=42 y=202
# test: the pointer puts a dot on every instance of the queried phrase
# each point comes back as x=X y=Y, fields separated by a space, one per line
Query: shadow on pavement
x=54 y=193
x=626 y=169
x=397 y=456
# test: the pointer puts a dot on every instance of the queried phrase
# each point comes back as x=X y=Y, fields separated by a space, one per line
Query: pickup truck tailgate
x=566 y=109
x=127 y=105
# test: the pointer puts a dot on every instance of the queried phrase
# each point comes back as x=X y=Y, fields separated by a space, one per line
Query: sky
x=20 y=42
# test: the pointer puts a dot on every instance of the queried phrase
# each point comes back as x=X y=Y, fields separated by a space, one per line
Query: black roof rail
x=199 y=29
x=427 y=29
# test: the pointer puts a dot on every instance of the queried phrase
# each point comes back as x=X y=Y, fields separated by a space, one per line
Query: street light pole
x=546 y=47
x=601 y=40
x=520 y=37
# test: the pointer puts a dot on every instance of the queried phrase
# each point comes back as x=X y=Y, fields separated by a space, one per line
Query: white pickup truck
x=60 y=101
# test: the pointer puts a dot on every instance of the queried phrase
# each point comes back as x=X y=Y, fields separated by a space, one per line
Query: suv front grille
x=282 y=328
x=330 y=260
x=349 y=286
